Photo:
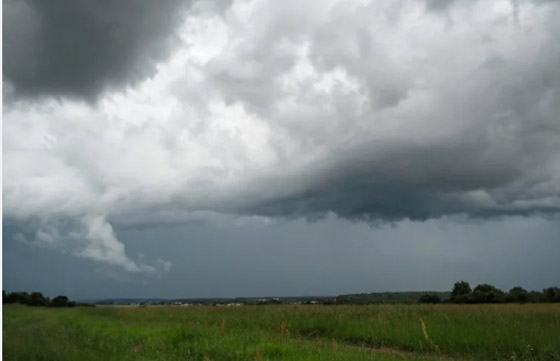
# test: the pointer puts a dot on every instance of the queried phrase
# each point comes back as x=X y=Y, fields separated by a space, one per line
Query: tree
x=37 y=299
x=552 y=294
x=536 y=297
x=59 y=301
x=461 y=292
x=486 y=293
x=518 y=294
x=10 y=297
x=18 y=297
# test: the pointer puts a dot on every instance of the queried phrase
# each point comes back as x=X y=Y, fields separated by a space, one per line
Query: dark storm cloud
x=368 y=196
x=402 y=181
x=78 y=48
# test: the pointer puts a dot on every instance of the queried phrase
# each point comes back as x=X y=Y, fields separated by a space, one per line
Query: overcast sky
x=250 y=148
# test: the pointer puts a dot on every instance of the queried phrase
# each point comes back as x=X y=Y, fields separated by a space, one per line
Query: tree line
x=485 y=293
x=37 y=299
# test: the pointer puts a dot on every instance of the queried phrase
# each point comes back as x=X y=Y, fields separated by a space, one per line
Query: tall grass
x=381 y=332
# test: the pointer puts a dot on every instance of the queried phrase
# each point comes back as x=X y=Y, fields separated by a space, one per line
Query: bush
x=429 y=298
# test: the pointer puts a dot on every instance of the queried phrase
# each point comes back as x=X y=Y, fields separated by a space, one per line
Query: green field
x=284 y=332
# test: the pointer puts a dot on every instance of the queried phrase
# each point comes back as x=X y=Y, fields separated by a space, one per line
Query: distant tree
x=10 y=297
x=461 y=292
x=429 y=298
x=551 y=294
x=536 y=297
x=4 y=297
x=18 y=297
x=518 y=294
x=37 y=299
x=59 y=301
x=486 y=293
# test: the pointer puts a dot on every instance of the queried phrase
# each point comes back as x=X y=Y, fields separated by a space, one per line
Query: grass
x=299 y=332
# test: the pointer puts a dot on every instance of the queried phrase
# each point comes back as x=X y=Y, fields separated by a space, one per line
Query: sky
x=260 y=148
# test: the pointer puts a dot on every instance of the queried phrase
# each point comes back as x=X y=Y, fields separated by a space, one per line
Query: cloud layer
x=378 y=111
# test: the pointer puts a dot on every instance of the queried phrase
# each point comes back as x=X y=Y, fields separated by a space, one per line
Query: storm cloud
x=81 y=48
x=375 y=111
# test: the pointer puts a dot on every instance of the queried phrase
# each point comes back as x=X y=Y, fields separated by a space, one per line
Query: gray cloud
x=502 y=158
x=81 y=48
x=404 y=181
x=377 y=111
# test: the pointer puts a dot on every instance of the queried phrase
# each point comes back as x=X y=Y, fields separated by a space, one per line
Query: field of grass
x=286 y=332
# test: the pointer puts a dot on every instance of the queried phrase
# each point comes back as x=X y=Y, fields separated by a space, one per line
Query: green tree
x=461 y=292
x=486 y=293
x=536 y=297
x=59 y=301
x=18 y=297
x=551 y=294
x=518 y=294
x=37 y=299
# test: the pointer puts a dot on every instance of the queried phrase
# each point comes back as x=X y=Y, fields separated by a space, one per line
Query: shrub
x=429 y=298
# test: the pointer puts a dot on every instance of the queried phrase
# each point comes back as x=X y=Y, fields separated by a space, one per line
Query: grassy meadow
x=284 y=332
